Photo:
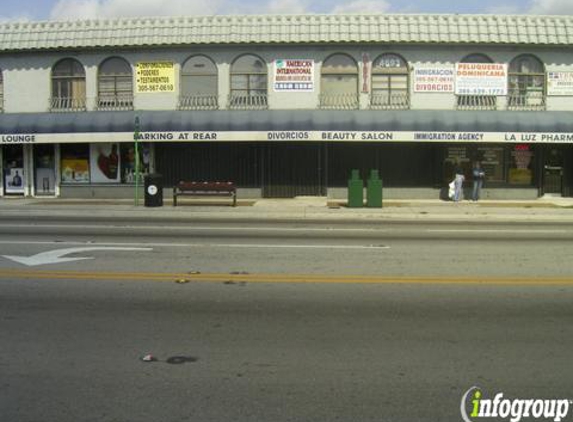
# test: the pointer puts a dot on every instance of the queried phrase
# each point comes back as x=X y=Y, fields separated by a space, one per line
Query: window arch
x=476 y=58
x=476 y=101
x=68 y=86
x=390 y=82
x=199 y=84
x=339 y=82
x=248 y=83
x=115 y=85
x=526 y=83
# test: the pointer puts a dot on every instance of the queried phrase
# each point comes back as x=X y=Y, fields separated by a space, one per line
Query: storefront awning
x=287 y=120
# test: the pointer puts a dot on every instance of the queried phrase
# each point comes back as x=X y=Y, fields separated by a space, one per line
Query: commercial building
x=288 y=105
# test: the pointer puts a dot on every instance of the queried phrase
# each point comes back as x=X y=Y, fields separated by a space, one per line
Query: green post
x=355 y=190
x=374 y=190
x=136 y=142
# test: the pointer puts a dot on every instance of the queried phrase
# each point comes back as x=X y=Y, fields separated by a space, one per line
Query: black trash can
x=153 y=185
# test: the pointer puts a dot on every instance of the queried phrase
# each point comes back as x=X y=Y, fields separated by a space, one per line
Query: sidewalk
x=300 y=208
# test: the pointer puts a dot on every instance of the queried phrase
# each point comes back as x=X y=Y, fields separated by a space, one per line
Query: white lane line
x=199 y=228
x=527 y=231
x=290 y=229
x=198 y=245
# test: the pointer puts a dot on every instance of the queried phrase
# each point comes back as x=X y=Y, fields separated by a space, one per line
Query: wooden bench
x=205 y=189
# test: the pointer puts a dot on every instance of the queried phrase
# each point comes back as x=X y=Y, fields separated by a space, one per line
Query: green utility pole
x=136 y=142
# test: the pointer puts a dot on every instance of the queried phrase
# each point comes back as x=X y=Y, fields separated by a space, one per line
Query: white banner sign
x=434 y=79
x=106 y=166
x=481 y=79
x=293 y=75
x=560 y=83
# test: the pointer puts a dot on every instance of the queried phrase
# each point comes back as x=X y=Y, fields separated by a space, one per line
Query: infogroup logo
x=513 y=410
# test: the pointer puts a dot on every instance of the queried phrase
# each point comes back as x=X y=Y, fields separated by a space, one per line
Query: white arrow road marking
x=55 y=256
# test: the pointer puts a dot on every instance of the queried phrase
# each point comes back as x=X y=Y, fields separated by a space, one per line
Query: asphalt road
x=381 y=249
x=281 y=323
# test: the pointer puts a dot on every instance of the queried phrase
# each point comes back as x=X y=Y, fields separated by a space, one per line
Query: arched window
x=115 y=85
x=68 y=86
x=526 y=84
x=476 y=101
x=339 y=83
x=199 y=84
x=248 y=83
x=390 y=82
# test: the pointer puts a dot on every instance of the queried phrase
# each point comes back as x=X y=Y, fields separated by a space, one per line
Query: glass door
x=13 y=163
x=44 y=170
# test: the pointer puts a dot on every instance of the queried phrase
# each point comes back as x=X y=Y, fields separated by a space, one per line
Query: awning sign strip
x=294 y=136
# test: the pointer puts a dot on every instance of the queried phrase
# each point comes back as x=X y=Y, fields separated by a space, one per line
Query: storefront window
x=456 y=156
x=491 y=159
x=521 y=165
x=128 y=161
x=75 y=163
x=464 y=156
x=14 y=181
x=104 y=163
x=44 y=169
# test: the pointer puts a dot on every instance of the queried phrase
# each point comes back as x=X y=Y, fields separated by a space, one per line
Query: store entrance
x=553 y=172
x=44 y=170
x=293 y=169
x=14 y=182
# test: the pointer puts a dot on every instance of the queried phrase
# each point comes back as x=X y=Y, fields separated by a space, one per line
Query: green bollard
x=355 y=190
x=374 y=190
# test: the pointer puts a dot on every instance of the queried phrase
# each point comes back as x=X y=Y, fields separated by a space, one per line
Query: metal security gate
x=293 y=169
x=553 y=171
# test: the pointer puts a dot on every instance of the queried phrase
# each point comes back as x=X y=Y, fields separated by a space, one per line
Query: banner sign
x=434 y=79
x=293 y=75
x=560 y=83
x=481 y=79
x=278 y=136
x=154 y=77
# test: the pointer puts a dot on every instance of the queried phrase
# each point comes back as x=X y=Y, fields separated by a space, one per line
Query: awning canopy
x=286 y=120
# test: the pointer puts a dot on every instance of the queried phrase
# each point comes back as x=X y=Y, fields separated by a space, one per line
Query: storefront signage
x=560 y=83
x=434 y=79
x=18 y=139
x=154 y=77
x=299 y=135
x=293 y=75
x=481 y=79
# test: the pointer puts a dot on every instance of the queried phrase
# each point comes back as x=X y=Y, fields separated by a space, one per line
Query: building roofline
x=555 y=30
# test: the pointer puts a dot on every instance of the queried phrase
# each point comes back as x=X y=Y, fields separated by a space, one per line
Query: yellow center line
x=285 y=278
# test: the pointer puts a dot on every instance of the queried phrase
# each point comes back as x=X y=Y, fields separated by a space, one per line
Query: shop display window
x=44 y=169
x=128 y=161
x=106 y=162
x=521 y=165
x=492 y=159
x=75 y=163
x=14 y=176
